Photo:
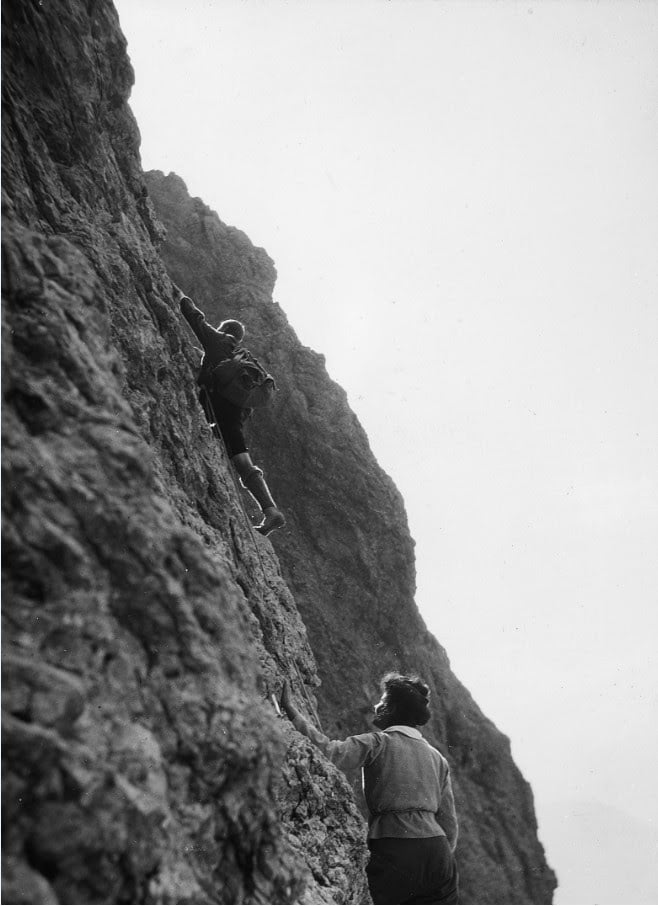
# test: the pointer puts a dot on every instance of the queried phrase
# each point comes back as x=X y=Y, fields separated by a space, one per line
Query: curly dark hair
x=405 y=701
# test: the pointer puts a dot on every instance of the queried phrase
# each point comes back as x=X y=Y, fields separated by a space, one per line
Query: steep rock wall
x=347 y=556
x=145 y=626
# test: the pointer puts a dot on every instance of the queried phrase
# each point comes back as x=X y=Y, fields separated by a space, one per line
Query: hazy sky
x=461 y=200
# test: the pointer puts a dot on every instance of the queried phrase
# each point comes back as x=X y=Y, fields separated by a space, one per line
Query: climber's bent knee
x=245 y=467
x=249 y=474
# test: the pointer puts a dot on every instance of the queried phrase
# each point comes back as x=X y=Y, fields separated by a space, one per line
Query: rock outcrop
x=145 y=625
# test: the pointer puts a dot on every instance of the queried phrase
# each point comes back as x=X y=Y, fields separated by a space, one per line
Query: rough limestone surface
x=145 y=626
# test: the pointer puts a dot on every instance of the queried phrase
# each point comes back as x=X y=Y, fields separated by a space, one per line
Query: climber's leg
x=252 y=479
x=229 y=420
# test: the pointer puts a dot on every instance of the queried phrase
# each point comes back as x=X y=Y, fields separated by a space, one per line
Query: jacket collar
x=408 y=731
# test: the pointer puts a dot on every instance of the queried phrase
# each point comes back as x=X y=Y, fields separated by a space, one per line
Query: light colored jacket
x=406 y=781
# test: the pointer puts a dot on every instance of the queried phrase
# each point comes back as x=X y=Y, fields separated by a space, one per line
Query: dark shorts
x=230 y=421
x=419 y=870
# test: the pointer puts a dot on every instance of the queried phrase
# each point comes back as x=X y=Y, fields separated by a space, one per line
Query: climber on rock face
x=412 y=828
x=232 y=384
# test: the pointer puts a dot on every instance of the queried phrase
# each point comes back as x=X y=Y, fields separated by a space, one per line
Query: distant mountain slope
x=347 y=555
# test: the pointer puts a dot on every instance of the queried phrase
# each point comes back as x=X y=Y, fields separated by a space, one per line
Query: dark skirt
x=418 y=870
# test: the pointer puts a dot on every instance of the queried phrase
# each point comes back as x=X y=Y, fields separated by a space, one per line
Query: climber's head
x=404 y=701
x=235 y=328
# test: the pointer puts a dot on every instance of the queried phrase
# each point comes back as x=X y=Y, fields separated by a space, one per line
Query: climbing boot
x=273 y=520
x=253 y=481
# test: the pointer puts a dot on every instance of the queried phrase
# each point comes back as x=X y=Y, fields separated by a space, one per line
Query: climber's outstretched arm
x=347 y=754
x=196 y=319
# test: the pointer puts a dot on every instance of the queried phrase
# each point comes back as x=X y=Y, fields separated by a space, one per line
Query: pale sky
x=461 y=200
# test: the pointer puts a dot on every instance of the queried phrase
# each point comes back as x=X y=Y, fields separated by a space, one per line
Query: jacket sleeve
x=347 y=754
x=447 y=814
x=197 y=321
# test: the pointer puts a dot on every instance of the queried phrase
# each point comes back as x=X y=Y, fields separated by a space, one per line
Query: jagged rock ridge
x=145 y=626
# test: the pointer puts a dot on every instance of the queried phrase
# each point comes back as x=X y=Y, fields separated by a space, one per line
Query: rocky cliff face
x=145 y=625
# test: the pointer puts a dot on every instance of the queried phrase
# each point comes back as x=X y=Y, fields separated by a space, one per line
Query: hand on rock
x=179 y=295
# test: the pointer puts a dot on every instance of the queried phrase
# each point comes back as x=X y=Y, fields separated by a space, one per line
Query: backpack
x=241 y=379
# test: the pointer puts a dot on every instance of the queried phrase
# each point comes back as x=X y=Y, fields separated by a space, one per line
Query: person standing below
x=412 y=826
x=221 y=345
